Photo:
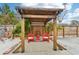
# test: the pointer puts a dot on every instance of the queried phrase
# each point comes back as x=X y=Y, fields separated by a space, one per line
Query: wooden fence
x=69 y=31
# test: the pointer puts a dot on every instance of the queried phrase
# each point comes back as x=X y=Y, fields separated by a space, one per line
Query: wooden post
x=23 y=35
x=77 y=31
x=55 y=36
x=63 y=31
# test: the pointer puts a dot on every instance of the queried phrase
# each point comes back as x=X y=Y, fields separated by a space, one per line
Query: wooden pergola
x=39 y=15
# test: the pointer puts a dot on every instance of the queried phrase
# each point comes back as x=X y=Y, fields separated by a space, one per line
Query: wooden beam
x=55 y=46
x=23 y=35
x=17 y=49
x=39 y=16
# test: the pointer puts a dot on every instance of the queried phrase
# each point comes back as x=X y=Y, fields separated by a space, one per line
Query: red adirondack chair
x=37 y=38
x=45 y=37
x=30 y=37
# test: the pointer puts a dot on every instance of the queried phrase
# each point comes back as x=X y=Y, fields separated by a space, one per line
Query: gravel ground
x=71 y=43
x=7 y=44
x=45 y=48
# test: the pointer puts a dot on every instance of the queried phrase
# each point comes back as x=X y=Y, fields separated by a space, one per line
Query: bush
x=49 y=27
x=17 y=30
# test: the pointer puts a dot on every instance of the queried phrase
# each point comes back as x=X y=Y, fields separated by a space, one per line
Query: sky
x=72 y=9
x=72 y=14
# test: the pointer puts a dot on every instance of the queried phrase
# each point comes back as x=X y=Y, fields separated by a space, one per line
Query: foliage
x=59 y=27
x=49 y=27
x=1 y=20
x=27 y=26
x=7 y=16
x=17 y=30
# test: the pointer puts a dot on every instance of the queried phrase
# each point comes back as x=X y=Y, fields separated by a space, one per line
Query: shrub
x=17 y=30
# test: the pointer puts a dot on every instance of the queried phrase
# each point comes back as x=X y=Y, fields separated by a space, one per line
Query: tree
x=7 y=16
x=61 y=16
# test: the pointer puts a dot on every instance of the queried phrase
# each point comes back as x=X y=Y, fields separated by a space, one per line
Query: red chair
x=30 y=37
x=45 y=37
x=37 y=38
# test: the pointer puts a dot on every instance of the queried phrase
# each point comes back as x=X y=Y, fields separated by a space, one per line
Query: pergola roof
x=43 y=5
x=39 y=14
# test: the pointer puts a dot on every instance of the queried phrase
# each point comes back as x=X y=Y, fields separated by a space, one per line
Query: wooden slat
x=39 y=16
x=38 y=19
